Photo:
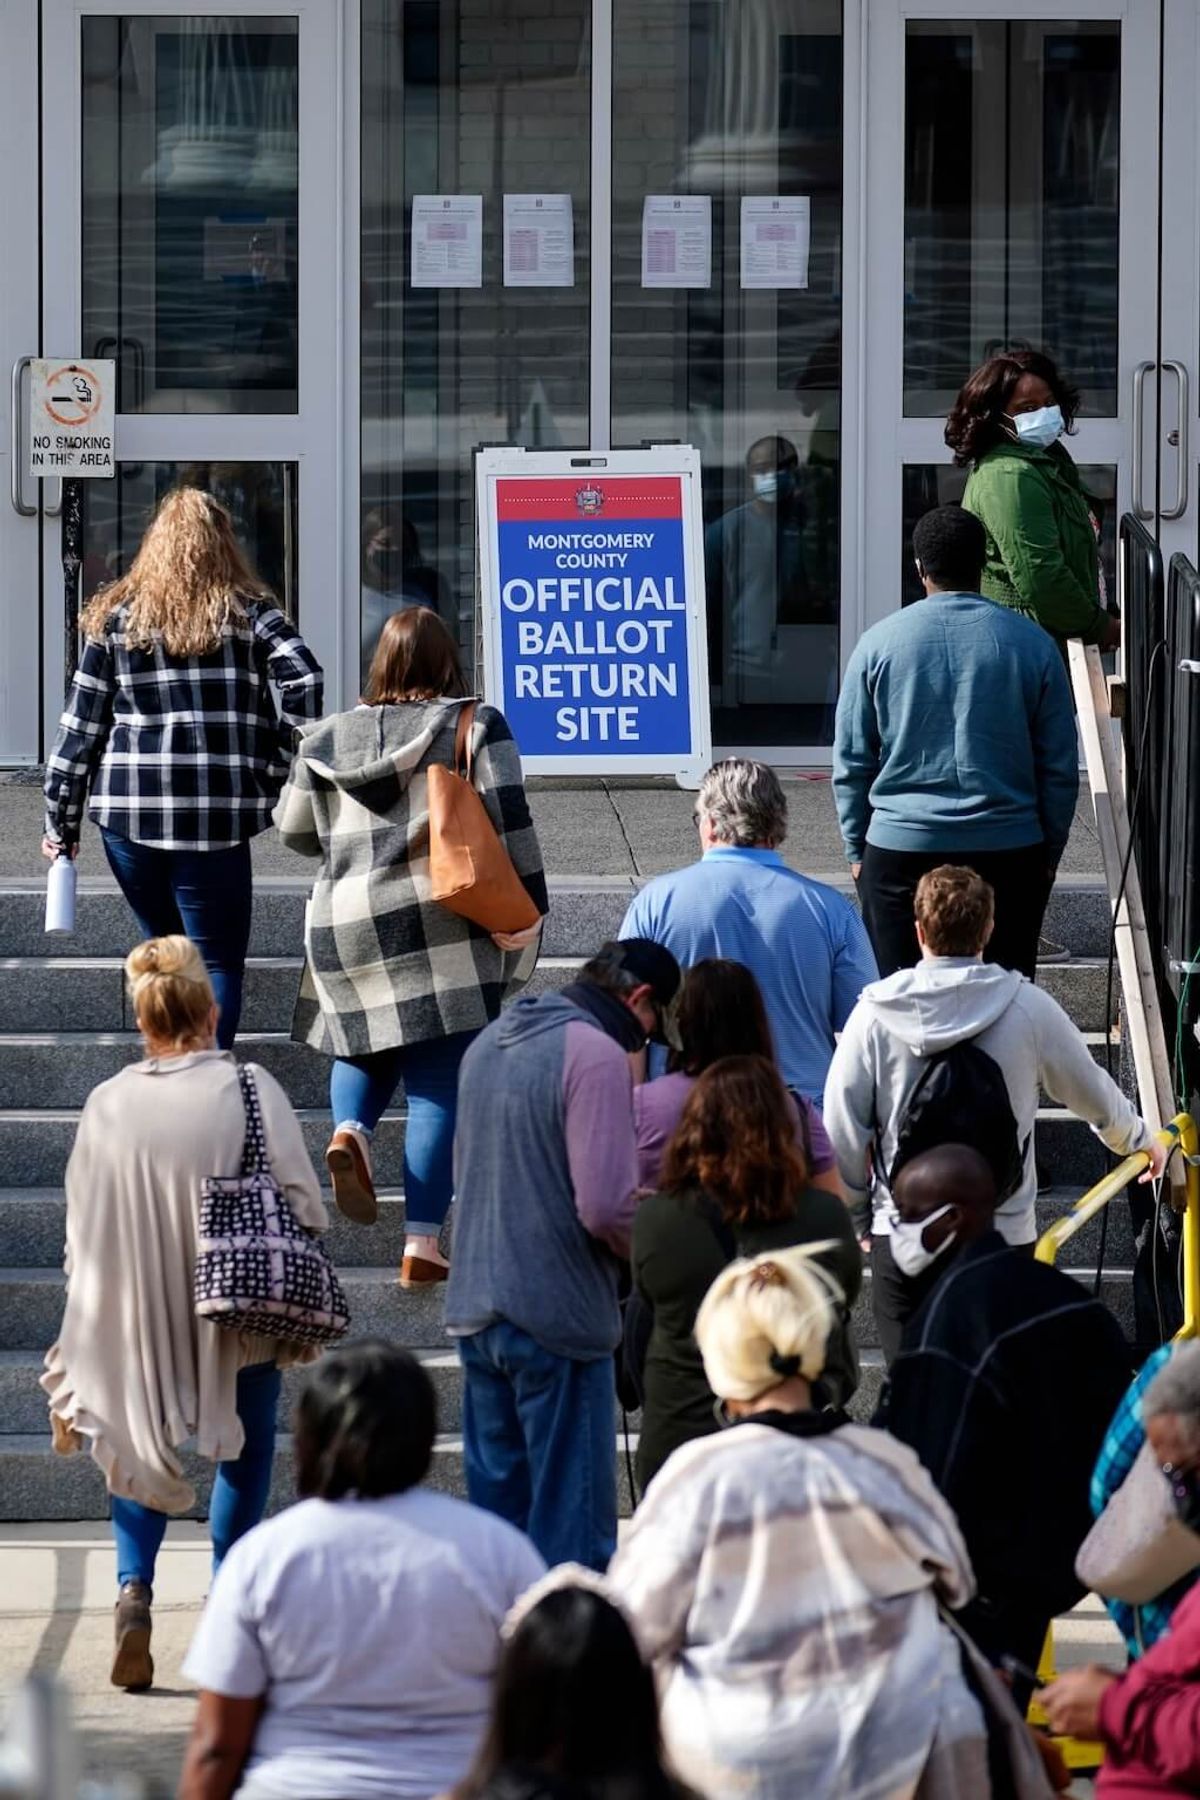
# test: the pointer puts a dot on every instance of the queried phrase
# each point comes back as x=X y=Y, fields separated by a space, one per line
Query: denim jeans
x=239 y=1495
x=361 y=1090
x=203 y=894
x=539 y=1443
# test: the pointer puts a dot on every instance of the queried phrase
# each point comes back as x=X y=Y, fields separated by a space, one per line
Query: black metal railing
x=1161 y=617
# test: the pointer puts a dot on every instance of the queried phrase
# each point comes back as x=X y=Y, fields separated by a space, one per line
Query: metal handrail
x=1182 y=1132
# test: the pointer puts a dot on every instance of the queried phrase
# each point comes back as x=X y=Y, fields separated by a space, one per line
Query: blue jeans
x=361 y=1090
x=539 y=1443
x=239 y=1495
x=203 y=894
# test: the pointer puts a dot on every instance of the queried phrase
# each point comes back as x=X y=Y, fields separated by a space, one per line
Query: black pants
x=896 y=1297
x=1020 y=879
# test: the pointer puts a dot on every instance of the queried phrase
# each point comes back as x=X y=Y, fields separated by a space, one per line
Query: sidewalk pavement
x=56 y=1599
x=587 y=828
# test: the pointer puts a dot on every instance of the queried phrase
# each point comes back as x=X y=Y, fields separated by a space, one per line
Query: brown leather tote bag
x=470 y=871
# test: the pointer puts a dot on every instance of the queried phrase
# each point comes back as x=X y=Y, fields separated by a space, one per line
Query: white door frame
x=20 y=628
x=895 y=441
x=313 y=437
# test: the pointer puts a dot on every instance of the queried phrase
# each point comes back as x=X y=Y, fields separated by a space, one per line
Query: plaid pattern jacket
x=384 y=963
x=182 y=752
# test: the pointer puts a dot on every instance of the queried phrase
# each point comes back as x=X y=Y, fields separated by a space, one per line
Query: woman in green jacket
x=1007 y=427
x=734 y=1183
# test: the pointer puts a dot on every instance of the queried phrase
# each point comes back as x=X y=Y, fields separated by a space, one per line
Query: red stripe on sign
x=581 y=500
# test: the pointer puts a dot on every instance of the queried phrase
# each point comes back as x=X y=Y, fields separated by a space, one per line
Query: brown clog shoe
x=350 y=1172
x=419 y=1272
x=133 y=1665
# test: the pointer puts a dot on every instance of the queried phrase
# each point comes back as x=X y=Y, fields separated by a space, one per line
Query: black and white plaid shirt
x=182 y=752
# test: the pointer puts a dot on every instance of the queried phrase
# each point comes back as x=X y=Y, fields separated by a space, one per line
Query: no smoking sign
x=71 y=418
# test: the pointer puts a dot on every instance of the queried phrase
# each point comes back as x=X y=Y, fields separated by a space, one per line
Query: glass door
x=193 y=224
x=723 y=338
x=1021 y=214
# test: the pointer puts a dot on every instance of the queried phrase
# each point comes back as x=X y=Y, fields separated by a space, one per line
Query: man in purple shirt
x=545 y=1168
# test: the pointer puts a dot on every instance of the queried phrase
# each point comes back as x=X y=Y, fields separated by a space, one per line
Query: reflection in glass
x=730 y=101
x=1012 y=180
x=485 y=98
x=926 y=485
x=190 y=210
x=260 y=498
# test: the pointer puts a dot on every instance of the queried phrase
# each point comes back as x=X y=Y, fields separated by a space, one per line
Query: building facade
x=236 y=207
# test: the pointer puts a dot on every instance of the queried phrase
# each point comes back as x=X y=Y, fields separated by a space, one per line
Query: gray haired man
x=803 y=941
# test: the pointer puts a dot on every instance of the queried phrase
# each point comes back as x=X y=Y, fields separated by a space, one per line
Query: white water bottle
x=60 y=894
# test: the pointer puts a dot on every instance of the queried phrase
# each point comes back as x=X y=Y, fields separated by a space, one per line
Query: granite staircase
x=65 y=1024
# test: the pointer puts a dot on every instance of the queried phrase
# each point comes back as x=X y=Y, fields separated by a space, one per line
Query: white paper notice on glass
x=677 y=241
x=539 y=240
x=775 y=241
x=447 y=240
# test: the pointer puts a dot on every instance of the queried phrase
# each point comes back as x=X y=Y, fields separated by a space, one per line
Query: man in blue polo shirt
x=803 y=941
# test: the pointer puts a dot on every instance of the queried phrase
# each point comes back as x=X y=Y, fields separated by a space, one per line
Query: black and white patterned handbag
x=257 y=1269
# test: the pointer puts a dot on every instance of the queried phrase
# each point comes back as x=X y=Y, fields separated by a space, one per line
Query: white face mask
x=766 y=486
x=1040 y=429
x=908 y=1249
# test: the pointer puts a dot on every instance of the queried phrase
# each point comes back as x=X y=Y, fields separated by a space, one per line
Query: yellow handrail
x=1181 y=1131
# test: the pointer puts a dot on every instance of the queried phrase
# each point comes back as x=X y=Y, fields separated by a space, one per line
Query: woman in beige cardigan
x=134 y=1371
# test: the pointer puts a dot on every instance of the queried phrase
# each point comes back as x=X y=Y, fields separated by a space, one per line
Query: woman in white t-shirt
x=348 y=1645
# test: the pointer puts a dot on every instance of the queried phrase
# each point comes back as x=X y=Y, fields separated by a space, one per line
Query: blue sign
x=594 y=642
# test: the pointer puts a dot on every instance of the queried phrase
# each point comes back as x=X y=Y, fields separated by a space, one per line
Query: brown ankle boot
x=133 y=1665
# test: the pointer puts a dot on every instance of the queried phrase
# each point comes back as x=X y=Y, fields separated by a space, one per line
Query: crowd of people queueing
x=666 y=1178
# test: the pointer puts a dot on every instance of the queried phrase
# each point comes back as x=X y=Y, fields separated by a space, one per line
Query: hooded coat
x=384 y=963
x=917 y=1013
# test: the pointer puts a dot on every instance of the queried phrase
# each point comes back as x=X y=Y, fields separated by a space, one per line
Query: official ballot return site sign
x=593 y=618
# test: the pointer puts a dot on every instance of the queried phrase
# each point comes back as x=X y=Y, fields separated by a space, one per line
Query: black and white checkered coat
x=385 y=964
x=182 y=752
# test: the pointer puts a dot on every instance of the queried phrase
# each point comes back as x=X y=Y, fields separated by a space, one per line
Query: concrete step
x=33 y=1226
x=31 y=1305
x=35 y=1145
x=583 y=912
x=73 y=995
x=37 y=1484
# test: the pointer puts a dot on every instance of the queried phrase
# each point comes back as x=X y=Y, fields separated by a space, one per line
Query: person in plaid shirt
x=1140 y=1626
x=171 y=728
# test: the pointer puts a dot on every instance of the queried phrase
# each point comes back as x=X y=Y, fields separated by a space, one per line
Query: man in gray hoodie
x=954 y=997
x=546 y=1185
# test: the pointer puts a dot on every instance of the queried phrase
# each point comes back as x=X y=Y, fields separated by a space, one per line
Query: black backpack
x=961 y=1097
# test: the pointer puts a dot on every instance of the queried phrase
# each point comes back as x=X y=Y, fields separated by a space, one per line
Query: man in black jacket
x=1005 y=1384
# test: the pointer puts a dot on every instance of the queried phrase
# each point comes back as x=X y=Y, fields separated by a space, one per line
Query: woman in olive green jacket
x=1006 y=427
x=734 y=1183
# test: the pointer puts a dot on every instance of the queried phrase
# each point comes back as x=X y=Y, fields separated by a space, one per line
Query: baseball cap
x=648 y=962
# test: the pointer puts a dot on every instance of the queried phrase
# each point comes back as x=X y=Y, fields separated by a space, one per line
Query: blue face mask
x=766 y=486
x=1040 y=429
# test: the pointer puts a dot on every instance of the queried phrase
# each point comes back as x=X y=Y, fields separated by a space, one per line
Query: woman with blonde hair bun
x=785 y=1578
x=171 y=727
x=134 y=1374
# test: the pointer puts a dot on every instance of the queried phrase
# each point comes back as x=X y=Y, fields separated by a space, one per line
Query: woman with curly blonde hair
x=171 y=725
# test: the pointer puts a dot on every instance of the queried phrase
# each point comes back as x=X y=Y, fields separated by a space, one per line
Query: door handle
x=15 y=494
x=1179 y=438
x=1140 y=509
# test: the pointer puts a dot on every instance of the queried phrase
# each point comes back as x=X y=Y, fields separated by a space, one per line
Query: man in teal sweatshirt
x=955 y=743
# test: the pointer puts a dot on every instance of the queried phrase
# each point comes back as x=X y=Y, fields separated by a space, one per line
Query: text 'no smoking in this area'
x=71 y=418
